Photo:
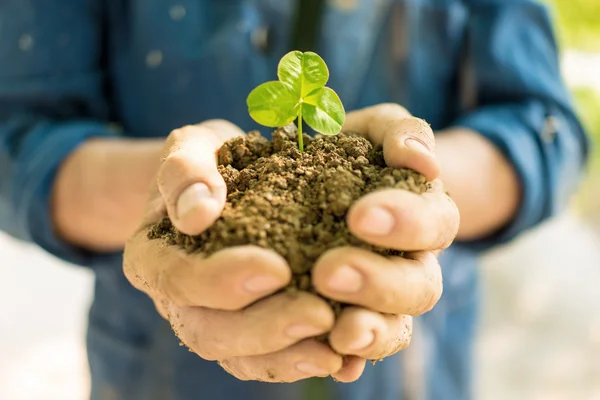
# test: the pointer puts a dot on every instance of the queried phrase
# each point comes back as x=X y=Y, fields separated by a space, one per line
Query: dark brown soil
x=294 y=203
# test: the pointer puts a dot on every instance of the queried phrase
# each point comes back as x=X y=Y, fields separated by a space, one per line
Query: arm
x=100 y=191
x=481 y=181
x=521 y=145
x=504 y=167
x=52 y=111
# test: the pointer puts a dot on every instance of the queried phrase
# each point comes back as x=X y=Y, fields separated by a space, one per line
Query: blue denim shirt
x=75 y=70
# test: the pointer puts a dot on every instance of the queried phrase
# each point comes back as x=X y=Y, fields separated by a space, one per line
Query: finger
x=369 y=120
x=161 y=306
x=402 y=220
x=191 y=186
x=408 y=142
x=265 y=327
x=369 y=334
x=229 y=279
x=395 y=285
x=352 y=369
x=304 y=360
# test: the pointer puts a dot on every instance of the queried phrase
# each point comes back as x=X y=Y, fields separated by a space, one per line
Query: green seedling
x=300 y=93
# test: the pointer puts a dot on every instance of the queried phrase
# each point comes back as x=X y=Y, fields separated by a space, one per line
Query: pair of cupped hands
x=229 y=307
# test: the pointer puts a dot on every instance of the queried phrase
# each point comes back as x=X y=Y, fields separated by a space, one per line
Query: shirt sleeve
x=51 y=101
x=521 y=104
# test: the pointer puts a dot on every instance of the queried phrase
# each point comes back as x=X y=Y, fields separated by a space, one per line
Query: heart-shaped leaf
x=324 y=112
x=305 y=72
x=273 y=104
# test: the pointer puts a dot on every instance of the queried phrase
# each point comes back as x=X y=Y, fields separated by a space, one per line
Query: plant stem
x=300 y=137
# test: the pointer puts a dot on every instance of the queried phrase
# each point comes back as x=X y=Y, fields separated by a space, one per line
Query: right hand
x=216 y=304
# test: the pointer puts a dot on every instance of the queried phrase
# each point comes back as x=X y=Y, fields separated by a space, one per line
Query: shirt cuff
x=40 y=157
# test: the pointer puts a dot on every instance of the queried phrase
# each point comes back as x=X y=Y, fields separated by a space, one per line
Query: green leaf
x=273 y=104
x=304 y=72
x=324 y=112
x=300 y=92
x=314 y=72
x=289 y=70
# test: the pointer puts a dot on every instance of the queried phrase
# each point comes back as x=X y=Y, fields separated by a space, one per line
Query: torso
x=175 y=63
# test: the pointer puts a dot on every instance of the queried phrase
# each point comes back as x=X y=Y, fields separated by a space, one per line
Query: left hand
x=387 y=292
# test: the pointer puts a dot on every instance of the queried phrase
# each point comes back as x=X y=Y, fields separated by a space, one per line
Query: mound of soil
x=291 y=202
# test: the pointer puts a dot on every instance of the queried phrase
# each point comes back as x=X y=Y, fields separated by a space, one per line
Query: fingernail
x=376 y=221
x=311 y=369
x=262 y=284
x=417 y=145
x=363 y=342
x=345 y=280
x=191 y=197
x=302 y=331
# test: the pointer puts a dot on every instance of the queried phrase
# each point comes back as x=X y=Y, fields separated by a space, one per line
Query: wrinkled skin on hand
x=224 y=307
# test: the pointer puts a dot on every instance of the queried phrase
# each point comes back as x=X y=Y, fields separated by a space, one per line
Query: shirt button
x=260 y=38
x=177 y=12
x=154 y=58
x=551 y=127
x=344 y=5
x=26 y=42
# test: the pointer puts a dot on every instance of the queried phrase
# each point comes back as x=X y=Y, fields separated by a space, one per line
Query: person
x=90 y=89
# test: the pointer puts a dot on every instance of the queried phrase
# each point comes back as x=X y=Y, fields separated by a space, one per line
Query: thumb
x=188 y=180
x=408 y=142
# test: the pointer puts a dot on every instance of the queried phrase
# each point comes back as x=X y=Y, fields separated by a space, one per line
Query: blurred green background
x=579 y=26
x=578 y=29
